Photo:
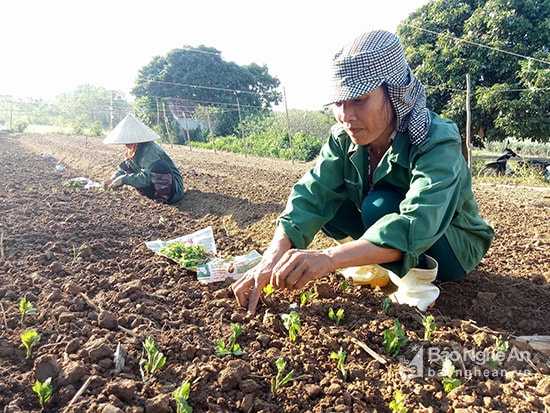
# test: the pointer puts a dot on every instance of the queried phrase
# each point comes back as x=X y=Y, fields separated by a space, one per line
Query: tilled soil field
x=78 y=256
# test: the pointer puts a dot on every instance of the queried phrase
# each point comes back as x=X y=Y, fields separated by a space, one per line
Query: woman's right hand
x=113 y=183
x=250 y=286
x=106 y=183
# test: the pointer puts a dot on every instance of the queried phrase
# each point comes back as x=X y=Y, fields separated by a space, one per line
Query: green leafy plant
x=397 y=405
x=502 y=348
x=306 y=296
x=291 y=322
x=153 y=361
x=344 y=285
x=186 y=255
x=44 y=391
x=386 y=304
x=394 y=338
x=181 y=395
x=341 y=357
x=336 y=316
x=73 y=183
x=232 y=347
x=75 y=255
x=428 y=321
x=447 y=372
x=268 y=290
x=26 y=308
x=29 y=339
x=280 y=379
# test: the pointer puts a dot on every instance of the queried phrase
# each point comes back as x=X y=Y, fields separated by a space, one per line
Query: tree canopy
x=504 y=47
x=87 y=109
x=92 y=107
x=201 y=77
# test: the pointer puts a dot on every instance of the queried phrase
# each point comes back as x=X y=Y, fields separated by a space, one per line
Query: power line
x=477 y=44
x=200 y=87
x=531 y=89
x=192 y=49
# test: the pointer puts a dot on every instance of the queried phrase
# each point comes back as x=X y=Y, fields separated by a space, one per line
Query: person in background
x=146 y=166
x=390 y=186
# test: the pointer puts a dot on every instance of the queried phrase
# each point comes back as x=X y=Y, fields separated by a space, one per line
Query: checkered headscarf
x=375 y=58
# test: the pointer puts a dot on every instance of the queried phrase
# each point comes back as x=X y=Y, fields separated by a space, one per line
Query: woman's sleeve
x=142 y=177
x=316 y=197
x=429 y=205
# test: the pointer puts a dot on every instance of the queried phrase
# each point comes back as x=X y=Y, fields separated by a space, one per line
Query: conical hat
x=130 y=130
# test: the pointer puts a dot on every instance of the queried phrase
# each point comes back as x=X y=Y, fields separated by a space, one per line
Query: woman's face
x=366 y=118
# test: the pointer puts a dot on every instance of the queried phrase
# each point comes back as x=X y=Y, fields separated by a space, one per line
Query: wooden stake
x=370 y=351
x=79 y=392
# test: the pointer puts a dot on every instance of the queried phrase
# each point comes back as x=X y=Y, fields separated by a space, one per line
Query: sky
x=49 y=47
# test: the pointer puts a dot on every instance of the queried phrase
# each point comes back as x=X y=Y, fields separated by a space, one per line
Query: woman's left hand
x=298 y=267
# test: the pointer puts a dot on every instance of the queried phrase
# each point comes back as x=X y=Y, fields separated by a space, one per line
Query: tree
x=201 y=76
x=493 y=41
x=17 y=114
x=92 y=108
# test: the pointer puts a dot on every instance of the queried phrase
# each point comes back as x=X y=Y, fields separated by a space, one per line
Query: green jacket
x=137 y=171
x=435 y=182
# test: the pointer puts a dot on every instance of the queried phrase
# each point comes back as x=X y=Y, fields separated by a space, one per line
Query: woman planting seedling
x=390 y=186
x=146 y=165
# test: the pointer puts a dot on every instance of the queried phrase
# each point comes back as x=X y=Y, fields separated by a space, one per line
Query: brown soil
x=79 y=257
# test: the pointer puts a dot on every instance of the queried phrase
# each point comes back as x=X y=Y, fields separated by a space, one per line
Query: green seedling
x=73 y=183
x=502 y=348
x=29 y=339
x=75 y=255
x=26 y=309
x=344 y=285
x=447 y=372
x=280 y=379
x=232 y=347
x=291 y=322
x=397 y=405
x=181 y=395
x=268 y=290
x=341 y=357
x=336 y=316
x=44 y=391
x=154 y=359
x=306 y=296
x=394 y=339
x=386 y=304
x=429 y=326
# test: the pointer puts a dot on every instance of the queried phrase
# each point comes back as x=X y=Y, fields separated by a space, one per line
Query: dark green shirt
x=435 y=182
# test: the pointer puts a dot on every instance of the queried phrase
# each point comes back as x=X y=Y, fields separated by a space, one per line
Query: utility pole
x=466 y=144
x=187 y=129
x=111 y=113
x=288 y=127
x=241 y=127
x=211 y=130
